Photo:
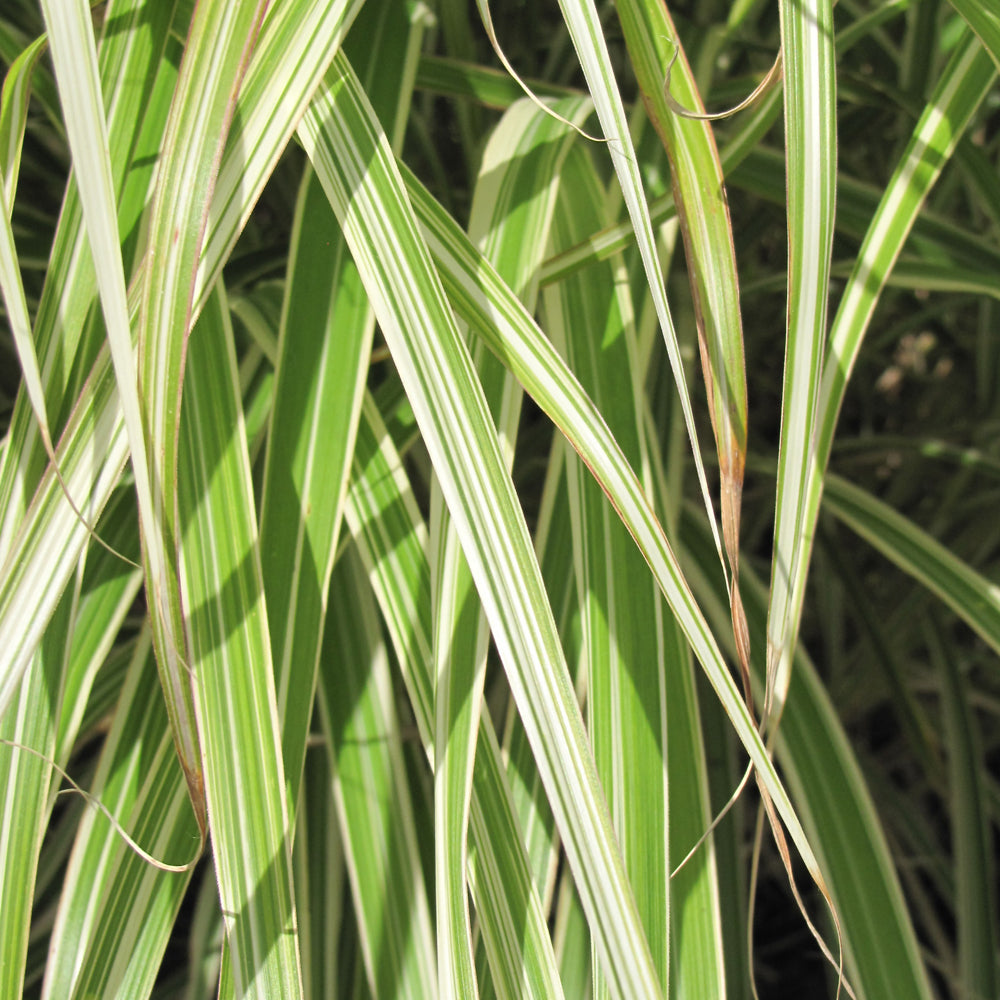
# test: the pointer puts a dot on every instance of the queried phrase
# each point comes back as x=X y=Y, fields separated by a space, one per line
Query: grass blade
x=392 y=539
x=218 y=48
x=703 y=211
x=231 y=670
x=881 y=950
x=112 y=927
x=588 y=38
x=489 y=307
x=985 y=22
x=512 y=209
x=969 y=594
x=811 y=166
x=622 y=628
x=975 y=906
x=367 y=194
x=370 y=786
x=324 y=346
x=959 y=91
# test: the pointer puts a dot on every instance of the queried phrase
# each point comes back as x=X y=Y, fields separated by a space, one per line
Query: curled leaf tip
x=772 y=77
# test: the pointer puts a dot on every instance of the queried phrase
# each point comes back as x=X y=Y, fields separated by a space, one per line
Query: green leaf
x=392 y=539
x=30 y=722
x=969 y=594
x=323 y=351
x=975 y=897
x=117 y=912
x=294 y=49
x=362 y=182
x=703 y=211
x=588 y=39
x=512 y=209
x=490 y=308
x=985 y=22
x=811 y=172
x=959 y=91
x=231 y=669
x=216 y=54
x=372 y=793
x=883 y=958
x=623 y=641
x=14 y=115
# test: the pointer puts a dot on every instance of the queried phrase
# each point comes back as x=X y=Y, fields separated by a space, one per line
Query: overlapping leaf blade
x=216 y=54
x=703 y=211
x=584 y=26
x=392 y=539
x=436 y=371
x=958 y=93
x=374 y=801
x=231 y=670
x=63 y=598
x=622 y=628
x=811 y=170
x=512 y=209
x=113 y=924
x=485 y=303
x=880 y=943
x=295 y=46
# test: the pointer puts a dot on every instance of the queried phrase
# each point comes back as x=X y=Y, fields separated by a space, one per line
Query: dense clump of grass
x=427 y=495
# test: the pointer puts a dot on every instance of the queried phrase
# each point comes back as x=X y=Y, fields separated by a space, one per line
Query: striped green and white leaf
x=12 y=288
x=108 y=588
x=30 y=722
x=296 y=43
x=290 y=47
x=392 y=540
x=231 y=670
x=588 y=38
x=362 y=182
x=490 y=309
x=324 y=347
x=881 y=951
x=391 y=537
x=372 y=792
x=75 y=59
x=960 y=90
x=528 y=363
x=47 y=549
x=325 y=340
x=703 y=211
x=554 y=545
x=623 y=640
x=319 y=878
x=973 y=597
x=985 y=22
x=115 y=919
x=101 y=919
x=13 y=118
x=135 y=73
x=811 y=171
x=512 y=209
x=216 y=53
